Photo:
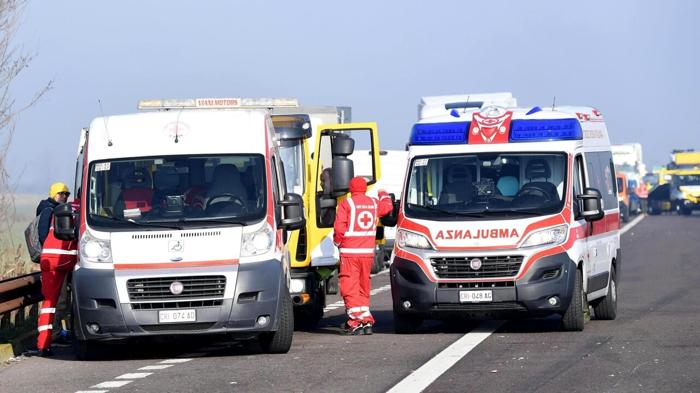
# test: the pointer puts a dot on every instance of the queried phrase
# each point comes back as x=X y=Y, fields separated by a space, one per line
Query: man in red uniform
x=58 y=257
x=354 y=234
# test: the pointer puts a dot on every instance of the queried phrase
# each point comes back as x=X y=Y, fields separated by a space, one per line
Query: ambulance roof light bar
x=217 y=103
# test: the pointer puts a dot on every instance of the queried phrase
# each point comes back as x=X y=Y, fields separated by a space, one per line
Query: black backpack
x=31 y=235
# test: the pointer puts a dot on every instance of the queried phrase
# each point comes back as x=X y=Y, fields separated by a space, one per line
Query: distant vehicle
x=628 y=160
x=683 y=175
x=184 y=216
x=627 y=199
x=507 y=210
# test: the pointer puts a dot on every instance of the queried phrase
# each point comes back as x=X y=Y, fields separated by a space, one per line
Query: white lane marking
x=156 y=367
x=339 y=304
x=380 y=289
x=632 y=223
x=173 y=361
x=385 y=271
x=92 y=391
x=133 y=376
x=443 y=361
x=111 y=384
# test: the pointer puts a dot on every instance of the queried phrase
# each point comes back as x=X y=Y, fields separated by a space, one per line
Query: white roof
x=432 y=106
x=178 y=132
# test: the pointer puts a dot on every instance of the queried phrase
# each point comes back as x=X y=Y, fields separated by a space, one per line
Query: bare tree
x=12 y=63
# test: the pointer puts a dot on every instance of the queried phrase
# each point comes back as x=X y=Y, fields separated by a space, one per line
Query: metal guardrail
x=18 y=297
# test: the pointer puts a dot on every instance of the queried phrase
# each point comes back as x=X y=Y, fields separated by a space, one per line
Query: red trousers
x=354 y=288
x=53 y=271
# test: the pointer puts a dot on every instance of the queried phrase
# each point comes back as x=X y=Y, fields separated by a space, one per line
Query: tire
x=280 y=341
x=606 y=308
x=684 y=211
x=573 y=318
x=85 y=350
x=308 y=317
x=378 y=262
x=406 y=324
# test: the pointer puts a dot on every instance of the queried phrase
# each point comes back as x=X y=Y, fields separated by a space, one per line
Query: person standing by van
x=354 y=234
x=58 y=257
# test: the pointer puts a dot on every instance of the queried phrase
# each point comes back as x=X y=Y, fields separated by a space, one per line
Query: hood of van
x=692 y=191
x=186 y=248
x=492 y=234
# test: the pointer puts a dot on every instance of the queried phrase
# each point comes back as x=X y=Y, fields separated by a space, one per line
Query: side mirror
x=343 y=171
x=592 y=203
x=293 y=206
x=391 y=219
x=64 y=222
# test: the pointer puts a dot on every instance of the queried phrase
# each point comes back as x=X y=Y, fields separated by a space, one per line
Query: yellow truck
x=679 y=184
x=318 y=146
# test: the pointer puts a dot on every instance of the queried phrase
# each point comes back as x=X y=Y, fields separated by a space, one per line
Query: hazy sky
x=637 y=61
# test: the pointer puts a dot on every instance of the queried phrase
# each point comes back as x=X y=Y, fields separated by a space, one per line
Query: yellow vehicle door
x=333 y=164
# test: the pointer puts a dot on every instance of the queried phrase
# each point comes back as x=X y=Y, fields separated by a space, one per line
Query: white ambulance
x=506 y=211
x=182 y=225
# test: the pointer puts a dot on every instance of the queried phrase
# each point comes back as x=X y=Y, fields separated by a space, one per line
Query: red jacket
x=356 y=223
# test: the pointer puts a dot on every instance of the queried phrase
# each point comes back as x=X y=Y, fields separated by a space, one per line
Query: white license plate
x=175 y=316
x=475 y=296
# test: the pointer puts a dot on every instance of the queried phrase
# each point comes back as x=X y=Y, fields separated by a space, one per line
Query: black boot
x=367 y=329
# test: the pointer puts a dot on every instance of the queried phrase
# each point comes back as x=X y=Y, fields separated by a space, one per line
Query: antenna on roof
x=554 y=102
x=104 y=118
x=465 y=107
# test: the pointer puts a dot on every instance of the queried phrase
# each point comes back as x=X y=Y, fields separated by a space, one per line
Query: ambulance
x=506 y=211
x=183 y=223
x=321 y=151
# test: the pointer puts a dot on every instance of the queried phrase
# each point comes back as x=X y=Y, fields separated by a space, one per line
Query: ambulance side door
x=332 y=166
x=579 y=184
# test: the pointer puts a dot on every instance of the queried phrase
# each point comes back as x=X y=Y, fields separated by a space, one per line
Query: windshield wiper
x=222 y=220
x=137 y=223
x=512 y=211
x=448 y=212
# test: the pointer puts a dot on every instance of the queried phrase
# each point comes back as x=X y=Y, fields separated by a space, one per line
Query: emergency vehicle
x=183 y=223
x=317 y=145
x=506 y=210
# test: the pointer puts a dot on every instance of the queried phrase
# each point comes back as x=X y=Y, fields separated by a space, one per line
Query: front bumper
x=528 y=296
x=258 y=289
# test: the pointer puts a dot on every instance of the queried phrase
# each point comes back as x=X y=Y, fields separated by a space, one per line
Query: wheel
x=685 y=211
x=280 y=340
x=378 y=262
x=606 y=308
x=406 y=324
x=308 y=317
x=85 y=350
x=573 y=318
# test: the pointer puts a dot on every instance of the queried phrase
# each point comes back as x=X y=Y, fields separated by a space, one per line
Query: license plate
x=175 y=316
x=475 y=296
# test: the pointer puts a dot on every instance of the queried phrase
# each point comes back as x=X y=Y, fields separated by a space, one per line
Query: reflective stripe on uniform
x=48 y=310
x=351 y=227
x=45 y=327
x=59 y=251
x=357 y=250
x=359 y=234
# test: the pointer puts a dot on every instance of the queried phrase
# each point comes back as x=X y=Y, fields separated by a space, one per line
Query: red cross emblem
x=365 y=220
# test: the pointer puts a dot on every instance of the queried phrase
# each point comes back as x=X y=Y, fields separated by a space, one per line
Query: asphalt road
x=653 y=345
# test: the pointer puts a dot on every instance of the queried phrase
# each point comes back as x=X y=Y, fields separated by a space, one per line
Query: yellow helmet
x=56 y=188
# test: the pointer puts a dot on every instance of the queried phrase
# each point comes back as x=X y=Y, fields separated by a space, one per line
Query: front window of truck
x=688 y=180
x=483 y=186
x=292 y=154
x=176 y=192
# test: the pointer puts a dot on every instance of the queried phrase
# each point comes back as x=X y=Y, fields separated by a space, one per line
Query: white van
x=506 y=211
x=182 y=226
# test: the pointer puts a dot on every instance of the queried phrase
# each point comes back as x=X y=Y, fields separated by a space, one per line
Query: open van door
x=332 y=167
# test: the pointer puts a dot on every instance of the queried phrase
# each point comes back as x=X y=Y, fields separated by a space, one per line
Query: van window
x=601 y=173
x=486 y=185
x=186 y=190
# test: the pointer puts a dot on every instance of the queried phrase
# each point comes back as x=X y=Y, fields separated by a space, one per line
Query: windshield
x=292 y=154
x=176 y=191
x=688 y=180
x=486 y=185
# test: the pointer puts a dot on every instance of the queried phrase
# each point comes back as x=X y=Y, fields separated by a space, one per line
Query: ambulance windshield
x=176 y=191
x=486 y=185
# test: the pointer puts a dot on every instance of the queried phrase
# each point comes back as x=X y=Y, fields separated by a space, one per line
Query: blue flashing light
x=439 y=133
x=545 y=130
x=454 y=113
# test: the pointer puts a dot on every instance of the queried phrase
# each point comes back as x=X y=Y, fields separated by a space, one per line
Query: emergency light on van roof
x=218 y=103
x=520 y=131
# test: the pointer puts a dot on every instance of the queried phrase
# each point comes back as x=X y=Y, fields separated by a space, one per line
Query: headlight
x=256 y=243
x=297 y=285
x=95 y=250
x=550 y=236
x=411 y=239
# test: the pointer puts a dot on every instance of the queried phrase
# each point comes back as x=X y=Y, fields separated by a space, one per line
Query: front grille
x=464 y=285
x=301 y=245
x=483 y=307
x=491 y=267
x=178 y=304
x=158 y=288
